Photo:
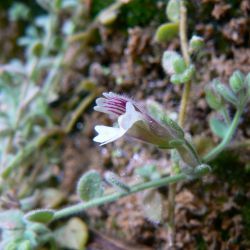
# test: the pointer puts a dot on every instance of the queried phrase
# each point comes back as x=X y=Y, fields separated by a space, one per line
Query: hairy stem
x=181 y=119
x=68 y=211
x=28 y=150
x=219 y=148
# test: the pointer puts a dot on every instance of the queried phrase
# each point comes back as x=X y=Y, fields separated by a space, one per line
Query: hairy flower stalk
x=135 y=122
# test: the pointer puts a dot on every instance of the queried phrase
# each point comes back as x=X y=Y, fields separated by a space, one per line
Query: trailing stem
x=78 y=208
x=219 y=148
x=182 y=114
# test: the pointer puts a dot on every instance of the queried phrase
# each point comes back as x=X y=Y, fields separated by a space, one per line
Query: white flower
x=133 y=120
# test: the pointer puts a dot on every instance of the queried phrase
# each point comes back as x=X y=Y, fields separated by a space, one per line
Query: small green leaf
x=187 y=75
x=227 y=94
x=179 y=65
x=168 y=59
x=116 y=182
x=90 y=186
x=74 y=235
x=176 y=79
x=218 y=127
x=40 y=215
x=173 y=10
x=148 y=172
x=196 y=43
x=166 y=32
x=213 y=99
x=236 y=81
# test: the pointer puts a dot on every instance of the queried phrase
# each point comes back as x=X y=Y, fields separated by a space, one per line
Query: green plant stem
x=79 y=110
x=68 y=211
x=219 y=148
x=28 y=150
x=181 y=120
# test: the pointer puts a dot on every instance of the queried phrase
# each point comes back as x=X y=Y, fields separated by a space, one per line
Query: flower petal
x=108 y=134
x=130 y=117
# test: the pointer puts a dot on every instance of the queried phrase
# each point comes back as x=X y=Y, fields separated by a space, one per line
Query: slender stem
x=133 y=189
x=28 y=150
x=79 y=110
x=181 y=119
x=186 y=56
x=219 y=148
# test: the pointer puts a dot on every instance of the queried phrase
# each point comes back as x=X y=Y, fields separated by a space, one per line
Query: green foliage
x=148 y=172
x=89 y=186
x=213 y=99
x=116 y=182
x=236 y=81
x=226 y=93
x=196 y=43
x=19 y=234
x=173 y=10
x=40 y=215
x=218 y=127
x=175 y=66
x=166 y=32
x=19 y=11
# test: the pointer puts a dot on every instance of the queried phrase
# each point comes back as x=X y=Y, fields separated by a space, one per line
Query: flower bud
x=196 y=43
x=236 y=81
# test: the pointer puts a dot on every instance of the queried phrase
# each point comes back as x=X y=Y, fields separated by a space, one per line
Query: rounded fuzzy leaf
x=168 y=59
x=74 y=235
x=213 y=99
x=218 y=127
x=236 y=81
x=188 y=74
x=40 y=215
x=148 y=172
x=173 y=10
x=179 y=65
x=176 y=79
x=227 y=94
x=116 y=182
x=166 y=32
x=89 y=186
